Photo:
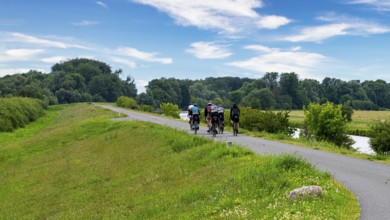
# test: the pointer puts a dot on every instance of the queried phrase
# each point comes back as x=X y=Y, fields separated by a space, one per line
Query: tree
x=380 y=140
x=170 y=109
x=326 y=123
x=289 y=86
x=267 y=98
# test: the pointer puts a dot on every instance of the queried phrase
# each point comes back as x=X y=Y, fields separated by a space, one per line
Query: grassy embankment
x=75 y=163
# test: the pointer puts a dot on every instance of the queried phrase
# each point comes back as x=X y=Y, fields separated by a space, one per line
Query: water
x=362 y=144
x=183 y=115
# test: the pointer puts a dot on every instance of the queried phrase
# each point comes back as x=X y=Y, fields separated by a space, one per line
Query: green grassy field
x=361 y=120
x=76 y=163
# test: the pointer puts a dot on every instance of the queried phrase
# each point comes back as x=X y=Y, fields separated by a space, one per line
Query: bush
x=126 y=102
x=326 y=123
x=17 y=112
x=146 y=108
x=170 y=109
x=268 y=121
x=380 y=140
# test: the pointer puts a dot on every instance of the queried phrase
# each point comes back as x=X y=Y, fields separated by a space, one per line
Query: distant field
x=360 y=119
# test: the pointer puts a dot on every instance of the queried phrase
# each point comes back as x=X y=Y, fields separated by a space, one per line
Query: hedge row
x=17 y=112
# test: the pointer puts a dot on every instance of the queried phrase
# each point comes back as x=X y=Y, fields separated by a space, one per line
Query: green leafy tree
x=326 y=123
x=380 y=140
x=170 y=109
x=126 y=102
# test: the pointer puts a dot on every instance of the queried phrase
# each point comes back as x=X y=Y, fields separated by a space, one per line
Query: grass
x=361 y=120
x=82 y=165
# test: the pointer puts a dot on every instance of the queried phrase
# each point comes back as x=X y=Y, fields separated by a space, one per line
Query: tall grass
x=85 y=166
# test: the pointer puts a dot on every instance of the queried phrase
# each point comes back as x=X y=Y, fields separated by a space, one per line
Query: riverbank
x=363 y=151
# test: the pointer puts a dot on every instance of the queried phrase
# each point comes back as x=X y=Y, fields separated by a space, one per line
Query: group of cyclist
x=213 y=114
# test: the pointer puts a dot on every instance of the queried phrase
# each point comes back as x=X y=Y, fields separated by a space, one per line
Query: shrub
x=126 y=102
x=170 y=109
x=326 y=123
x=146 y=108
x=380 y=140
x=268 y=120
x=17 y=112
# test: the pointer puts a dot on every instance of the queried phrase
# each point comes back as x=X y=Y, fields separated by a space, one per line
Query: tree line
x=76 y=80
x=85 y=80
x=272 y=91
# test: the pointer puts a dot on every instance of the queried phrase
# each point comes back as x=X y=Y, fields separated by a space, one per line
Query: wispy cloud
x=339 y=26
x=102 y=4
x=8 y=22
x=208 y=50
x=11 y=71
x=278 y=60
x=145 y=56
x=227 y=16
x=19 y=54
x=85 y=23
x=126 y=62
x=55 y=59
x=28 y=39
x=381 y=5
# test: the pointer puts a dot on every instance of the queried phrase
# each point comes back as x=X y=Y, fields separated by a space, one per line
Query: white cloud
x=273 y=22
x=381 y=5
x=320 y=33
x=141 y=85
x=208 y=50
x=19 y=54
x=28 y=39
x=149 y=57
x=11 y=71
x=55 y=59
x=126 y=62
x=228 y=16
x=339 y=26
x=278 y=60
x=102 y=4
x=85 y=23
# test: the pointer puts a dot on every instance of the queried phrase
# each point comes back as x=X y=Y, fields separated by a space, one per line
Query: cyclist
x=221 y=115
x=189 y=115
x=207 y=115
x=235 y=115
x=214 y=115
x=195 y=114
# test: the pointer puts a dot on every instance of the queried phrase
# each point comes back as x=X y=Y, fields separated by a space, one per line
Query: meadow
x=76 y=163
x=361 y=120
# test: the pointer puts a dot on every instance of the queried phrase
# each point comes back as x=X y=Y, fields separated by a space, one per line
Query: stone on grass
x=306 y=191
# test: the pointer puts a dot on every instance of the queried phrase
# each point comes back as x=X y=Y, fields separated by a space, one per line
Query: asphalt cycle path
x=369 y=181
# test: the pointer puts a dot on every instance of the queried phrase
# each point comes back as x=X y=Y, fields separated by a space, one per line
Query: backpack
x=235 y=111
x=214 y=108
x=195 y=110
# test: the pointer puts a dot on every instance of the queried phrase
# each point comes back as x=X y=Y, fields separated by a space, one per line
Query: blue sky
x=195 y=39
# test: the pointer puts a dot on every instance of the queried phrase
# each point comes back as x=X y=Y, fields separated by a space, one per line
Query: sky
x=196 y=39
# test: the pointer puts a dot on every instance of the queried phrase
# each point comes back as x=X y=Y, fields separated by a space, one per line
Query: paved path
x=369 y=181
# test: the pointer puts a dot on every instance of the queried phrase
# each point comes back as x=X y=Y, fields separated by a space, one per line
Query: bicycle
x=195 y=124
x=235 y=126
x=214 y=125
x=220 y=127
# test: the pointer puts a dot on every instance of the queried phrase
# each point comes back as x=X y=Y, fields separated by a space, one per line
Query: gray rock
x=306 y=191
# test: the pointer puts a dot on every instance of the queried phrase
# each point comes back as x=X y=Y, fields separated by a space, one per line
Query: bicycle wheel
x=214 y=130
